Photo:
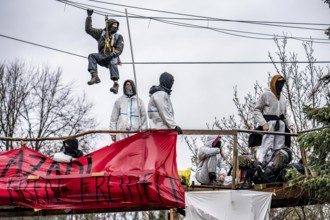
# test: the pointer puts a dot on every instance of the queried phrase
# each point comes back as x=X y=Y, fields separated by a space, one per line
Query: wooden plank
x=6 y=211
x=209 y=132
x=185 y=132
x=235 y=163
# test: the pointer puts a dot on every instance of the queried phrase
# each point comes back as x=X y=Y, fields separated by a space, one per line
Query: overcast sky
x=200 y=92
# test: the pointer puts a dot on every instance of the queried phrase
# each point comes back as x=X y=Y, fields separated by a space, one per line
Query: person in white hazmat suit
x=210 y=166
x=271 y=113
x=128 y=113
x=160 y=109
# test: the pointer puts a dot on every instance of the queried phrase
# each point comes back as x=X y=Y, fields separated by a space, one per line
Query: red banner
x=137 y=171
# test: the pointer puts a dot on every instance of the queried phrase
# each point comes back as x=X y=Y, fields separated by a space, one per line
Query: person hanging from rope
x=270 y=112
x=160 y=109
x=128 y=113
x=110 y=46
x=69 y=151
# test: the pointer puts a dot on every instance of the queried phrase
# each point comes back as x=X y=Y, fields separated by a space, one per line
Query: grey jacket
x=99 y=35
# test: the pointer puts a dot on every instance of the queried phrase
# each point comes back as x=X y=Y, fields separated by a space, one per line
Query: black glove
x=327 y=32
x=178 y=129
x=218 y=145
x=212 y=176
x=90 y=12
x=113 y=54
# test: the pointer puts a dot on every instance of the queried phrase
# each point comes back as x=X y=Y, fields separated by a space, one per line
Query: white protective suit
x=269 y=104
x=160 y=109
x=209 y=160
x=127 y=115
x=62 y=158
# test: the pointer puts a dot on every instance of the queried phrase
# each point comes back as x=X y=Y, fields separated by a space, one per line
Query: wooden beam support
x=235 y=163
x=7 y=211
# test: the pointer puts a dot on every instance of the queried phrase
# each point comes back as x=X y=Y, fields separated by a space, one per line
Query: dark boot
x=95 y=79
x=114 y=88
x=181 y=211
x=212 y=177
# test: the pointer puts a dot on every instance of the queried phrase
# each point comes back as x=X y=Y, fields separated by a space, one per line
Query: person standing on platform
x=270 y=112
x=128 y=113
x=160 y=109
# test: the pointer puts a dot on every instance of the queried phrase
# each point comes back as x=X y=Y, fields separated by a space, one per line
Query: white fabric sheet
x=228 y=205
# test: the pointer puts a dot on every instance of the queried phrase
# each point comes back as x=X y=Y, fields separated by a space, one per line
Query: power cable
x=39 y=45
x=224 y=31
x=74 y=4
x=197 y=19
x=210 y=18
x=191 y=25
x=164 y=63
x=78 y=5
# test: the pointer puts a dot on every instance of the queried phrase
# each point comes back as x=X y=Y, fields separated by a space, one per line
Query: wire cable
x=224 y=31
x=227 y=31
x=43 y=46
x=165 y=63
x=210 y=18
x=198 y=19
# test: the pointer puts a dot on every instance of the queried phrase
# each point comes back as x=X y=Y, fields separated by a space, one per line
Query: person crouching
x=210 y=169
x=69 y=151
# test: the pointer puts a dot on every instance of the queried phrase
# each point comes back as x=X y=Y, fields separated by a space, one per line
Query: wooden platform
x=7 y=211
x=283 y=196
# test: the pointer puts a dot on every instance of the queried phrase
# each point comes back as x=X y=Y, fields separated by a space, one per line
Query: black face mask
x=113 y=30
x=217 y=145
x=167 y=84
x=279 y=85
x=70 y=151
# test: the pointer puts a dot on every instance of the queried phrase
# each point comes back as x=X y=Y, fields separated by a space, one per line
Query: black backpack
x=258 y=169
x=245 y=163
x=297 y=166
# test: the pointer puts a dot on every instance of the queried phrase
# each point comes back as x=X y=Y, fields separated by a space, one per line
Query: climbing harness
x=107 y=43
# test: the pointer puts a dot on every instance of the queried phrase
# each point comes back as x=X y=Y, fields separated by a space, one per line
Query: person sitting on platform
x=210 y=166
x=69 y=151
